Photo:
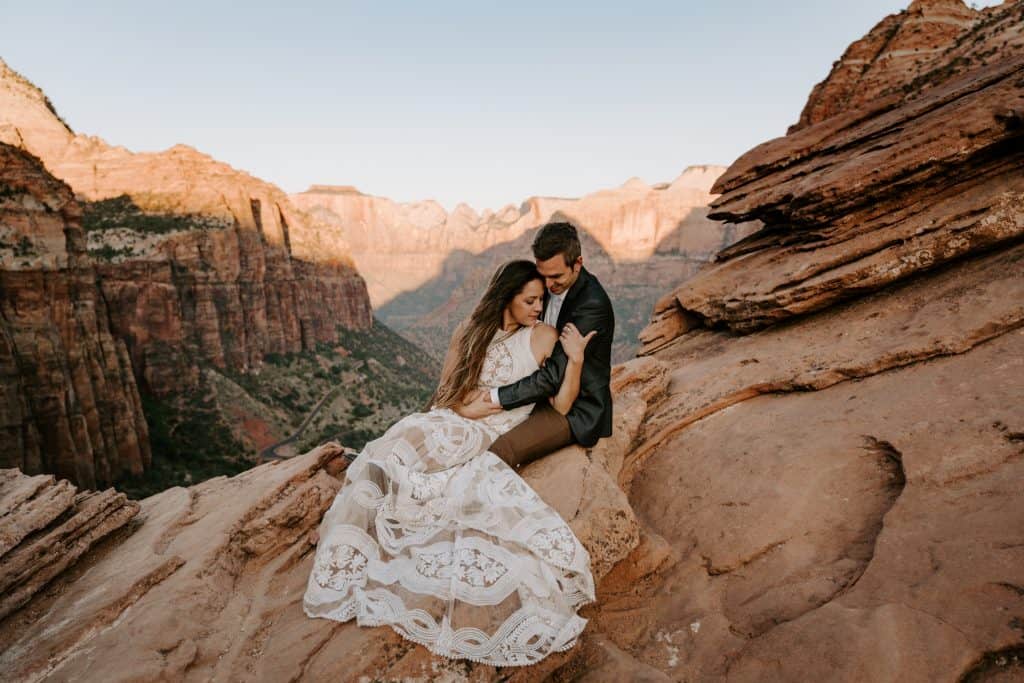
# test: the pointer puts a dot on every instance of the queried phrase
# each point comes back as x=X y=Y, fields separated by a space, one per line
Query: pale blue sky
x=486 y=103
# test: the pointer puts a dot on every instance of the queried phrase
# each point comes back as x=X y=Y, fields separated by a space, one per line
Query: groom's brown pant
x=545 y=431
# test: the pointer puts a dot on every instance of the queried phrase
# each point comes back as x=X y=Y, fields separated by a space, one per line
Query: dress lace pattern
x=436 y=537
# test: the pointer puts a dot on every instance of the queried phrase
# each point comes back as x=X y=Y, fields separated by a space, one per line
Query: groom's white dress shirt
x=554 y=306
x=550 y=317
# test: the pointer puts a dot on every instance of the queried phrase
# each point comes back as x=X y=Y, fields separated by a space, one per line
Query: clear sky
x=482 y=102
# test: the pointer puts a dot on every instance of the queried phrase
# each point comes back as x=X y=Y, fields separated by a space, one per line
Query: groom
x=573 y=296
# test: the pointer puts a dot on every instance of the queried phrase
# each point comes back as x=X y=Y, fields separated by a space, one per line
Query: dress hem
x=430 y=648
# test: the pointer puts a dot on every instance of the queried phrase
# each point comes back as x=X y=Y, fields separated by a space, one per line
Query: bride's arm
x=573 y=343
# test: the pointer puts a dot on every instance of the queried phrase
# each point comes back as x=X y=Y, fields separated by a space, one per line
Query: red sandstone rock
x=866 y=530
x=897 y=50
x=925 y=45
x=45 y=527
x=70 y=404
x=251 y=276
x=862 y=200
x=209 y=583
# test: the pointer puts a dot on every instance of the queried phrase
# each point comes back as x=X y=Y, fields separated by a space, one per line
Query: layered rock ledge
x=860 y=201
x=45 y=527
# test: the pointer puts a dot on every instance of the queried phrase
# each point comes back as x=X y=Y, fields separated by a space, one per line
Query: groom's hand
x=477 y=405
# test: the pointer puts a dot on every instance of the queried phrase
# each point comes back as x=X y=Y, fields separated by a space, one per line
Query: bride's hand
x=573 y=343
x=477 y=405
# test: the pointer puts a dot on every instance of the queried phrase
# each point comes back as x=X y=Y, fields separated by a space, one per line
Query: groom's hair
x=557 y=238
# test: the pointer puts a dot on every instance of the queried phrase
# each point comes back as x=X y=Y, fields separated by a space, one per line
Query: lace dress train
x=436 y=537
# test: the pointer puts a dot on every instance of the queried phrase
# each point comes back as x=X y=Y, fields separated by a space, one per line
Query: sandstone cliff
x=402 y=246
x=70 y=404
x=872 y=196
x=183 y=260
x=231 y=273
x=924 y=44
x=425 y=268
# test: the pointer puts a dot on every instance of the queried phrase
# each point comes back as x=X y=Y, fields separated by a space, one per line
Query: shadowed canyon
x=818 y=452
x=167 y=317
x=425 y=268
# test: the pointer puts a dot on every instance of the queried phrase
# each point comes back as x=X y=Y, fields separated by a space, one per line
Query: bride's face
x=525 y=308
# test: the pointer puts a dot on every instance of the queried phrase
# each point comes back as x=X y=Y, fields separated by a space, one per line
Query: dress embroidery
x=555 y=545
x=498 y=366
x=467 y=565
x=339 y=566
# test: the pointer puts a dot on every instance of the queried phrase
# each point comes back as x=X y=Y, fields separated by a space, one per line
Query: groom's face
x=559 y=276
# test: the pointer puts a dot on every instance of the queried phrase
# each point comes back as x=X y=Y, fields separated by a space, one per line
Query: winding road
x=270 y=452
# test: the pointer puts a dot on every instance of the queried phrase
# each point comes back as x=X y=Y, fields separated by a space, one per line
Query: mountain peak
x=19 y=95
x=635 y=183
x=334 y=189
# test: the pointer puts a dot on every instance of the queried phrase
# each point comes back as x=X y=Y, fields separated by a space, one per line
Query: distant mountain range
x=425 y=268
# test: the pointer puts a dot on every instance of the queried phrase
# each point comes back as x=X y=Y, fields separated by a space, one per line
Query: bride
x=434 y=535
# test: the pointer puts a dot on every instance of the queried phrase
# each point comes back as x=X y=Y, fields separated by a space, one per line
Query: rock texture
x=425 y=268
x=867 y=198
x=222 y=297
x=45 y=527
x=925 y=44
x=69 y=404
x=838 y=494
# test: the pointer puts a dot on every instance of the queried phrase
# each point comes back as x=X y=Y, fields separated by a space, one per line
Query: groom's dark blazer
x=586 y=305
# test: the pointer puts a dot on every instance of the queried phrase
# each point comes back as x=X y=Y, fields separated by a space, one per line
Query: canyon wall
x=426 y=268
x=197 y=259
x=189 y=262
x=70 y=403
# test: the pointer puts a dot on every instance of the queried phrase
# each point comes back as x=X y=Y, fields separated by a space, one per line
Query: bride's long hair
x=479 y=329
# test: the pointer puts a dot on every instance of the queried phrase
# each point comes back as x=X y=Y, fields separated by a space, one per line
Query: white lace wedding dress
x=436 y=537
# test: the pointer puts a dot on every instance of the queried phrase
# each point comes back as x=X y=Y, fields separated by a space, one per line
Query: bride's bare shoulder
x=542 y=341
x=545 y=332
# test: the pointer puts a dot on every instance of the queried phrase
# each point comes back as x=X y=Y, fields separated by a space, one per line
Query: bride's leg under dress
x=435 y=536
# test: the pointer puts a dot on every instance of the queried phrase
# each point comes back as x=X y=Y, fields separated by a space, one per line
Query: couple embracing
x=434 y=533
